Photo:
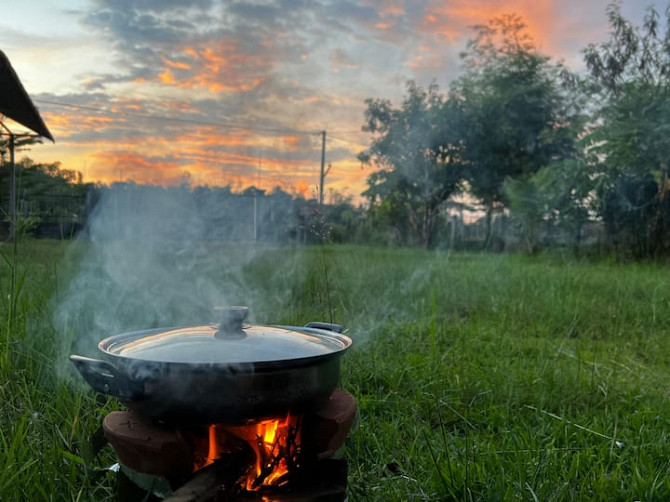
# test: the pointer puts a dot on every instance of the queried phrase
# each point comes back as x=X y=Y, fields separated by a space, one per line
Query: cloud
x=393 y=8
x=267 y=69
x=339 y=59
x=427 y=59
x=559 y=29
x=156 y=6
x=218 y=66
x=126 y=165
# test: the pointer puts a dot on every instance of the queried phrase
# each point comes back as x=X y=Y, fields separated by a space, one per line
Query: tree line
x=55 y=202
x=547 y=150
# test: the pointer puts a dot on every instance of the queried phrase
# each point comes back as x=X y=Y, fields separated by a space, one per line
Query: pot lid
x=227 y=342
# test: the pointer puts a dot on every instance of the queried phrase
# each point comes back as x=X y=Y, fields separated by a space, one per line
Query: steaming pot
x=227 y=371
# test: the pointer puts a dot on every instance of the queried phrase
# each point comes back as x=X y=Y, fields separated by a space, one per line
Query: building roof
x=15 y=102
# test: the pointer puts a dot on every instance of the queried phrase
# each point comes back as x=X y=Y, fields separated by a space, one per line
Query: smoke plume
x=155 y=257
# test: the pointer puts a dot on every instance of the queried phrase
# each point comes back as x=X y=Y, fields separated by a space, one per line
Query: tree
x=515 y=114
x=630 y=75
x=48 y=196
x=414 y=149
x=554 y=200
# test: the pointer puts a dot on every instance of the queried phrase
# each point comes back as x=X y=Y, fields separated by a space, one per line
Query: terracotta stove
x=293 y=457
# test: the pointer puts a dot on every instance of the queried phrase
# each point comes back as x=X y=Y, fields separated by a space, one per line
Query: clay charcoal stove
x=287 y=458
x=227 y=410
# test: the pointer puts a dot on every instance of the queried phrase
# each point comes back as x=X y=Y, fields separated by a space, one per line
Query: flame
x=275 y=442
x=270 y=432
x=213 y=452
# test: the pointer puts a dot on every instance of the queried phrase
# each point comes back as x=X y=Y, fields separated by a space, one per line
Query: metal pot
x=228 y=371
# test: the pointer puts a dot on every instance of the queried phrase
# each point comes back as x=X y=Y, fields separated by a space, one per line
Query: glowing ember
x=276 y=445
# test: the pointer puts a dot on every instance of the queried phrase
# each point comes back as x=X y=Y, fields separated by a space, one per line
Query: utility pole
x=323 y=166
x=260 y=162
x=12 y=188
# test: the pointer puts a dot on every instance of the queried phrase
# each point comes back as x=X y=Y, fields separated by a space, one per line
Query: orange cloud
x=63 y=125
x=218 y=67
x=167 y=78
x=168 y=164
x=176 y=65
x=425 y=61
x=210 y=157
x=132 y=106
x=302 y=187
x=291 y=141
x=205 y=155
x=178 y=106
x=57 y=121
x=206 y=137
x=111 y=166
x=393 y=9
x=453 y=19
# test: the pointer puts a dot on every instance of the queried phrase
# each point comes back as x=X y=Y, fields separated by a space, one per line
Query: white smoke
x=150 y=257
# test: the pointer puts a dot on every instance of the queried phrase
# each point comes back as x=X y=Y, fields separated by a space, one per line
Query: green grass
x=478 y=377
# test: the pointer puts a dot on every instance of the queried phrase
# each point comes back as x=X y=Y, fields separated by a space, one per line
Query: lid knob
x=229 y=319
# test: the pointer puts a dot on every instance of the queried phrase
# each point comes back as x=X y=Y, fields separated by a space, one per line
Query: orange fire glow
x=276 y=445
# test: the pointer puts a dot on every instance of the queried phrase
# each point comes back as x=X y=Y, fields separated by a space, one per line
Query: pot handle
x=335 y=328
x=105 y=377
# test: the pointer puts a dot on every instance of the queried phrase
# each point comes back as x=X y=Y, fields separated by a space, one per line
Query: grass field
x=478 y=377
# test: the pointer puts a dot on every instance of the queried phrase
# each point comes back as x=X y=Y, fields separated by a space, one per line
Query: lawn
x=478 y=376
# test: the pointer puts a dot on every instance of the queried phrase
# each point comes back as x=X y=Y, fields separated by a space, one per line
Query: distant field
x=478 y=377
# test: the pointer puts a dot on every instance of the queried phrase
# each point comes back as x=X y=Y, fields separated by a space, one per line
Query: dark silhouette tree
x=630 y=75
x=416 y=154
x=515 y=114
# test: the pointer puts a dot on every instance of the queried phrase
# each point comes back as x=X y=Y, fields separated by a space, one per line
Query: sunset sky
x=236 y=93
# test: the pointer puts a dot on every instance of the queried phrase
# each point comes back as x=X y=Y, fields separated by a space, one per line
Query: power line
x=228 y=125
x=224 y=125
x=355 y=143
x=350 y=131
